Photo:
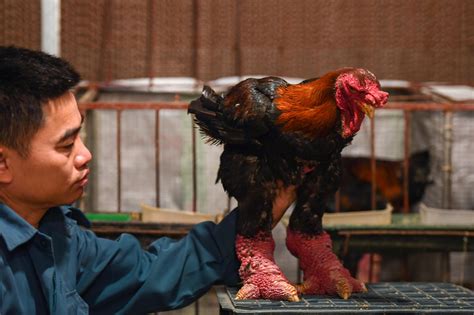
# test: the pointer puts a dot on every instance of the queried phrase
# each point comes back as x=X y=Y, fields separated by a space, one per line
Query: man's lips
x=83 y=181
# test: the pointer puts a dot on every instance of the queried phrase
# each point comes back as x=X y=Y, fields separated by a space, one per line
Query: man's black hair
x=28 y=80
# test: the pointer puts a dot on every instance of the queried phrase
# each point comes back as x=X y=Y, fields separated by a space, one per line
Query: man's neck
x=29 y=213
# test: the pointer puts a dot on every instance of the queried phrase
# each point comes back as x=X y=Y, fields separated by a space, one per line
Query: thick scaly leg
x=242 y=176
x=323 y=271
x=262 y=278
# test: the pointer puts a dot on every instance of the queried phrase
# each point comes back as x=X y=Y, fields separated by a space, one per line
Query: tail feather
x=209 y=116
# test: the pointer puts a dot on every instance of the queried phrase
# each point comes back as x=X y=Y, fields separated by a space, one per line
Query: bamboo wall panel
x=415 y=40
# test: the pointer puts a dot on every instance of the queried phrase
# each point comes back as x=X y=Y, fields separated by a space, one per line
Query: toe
x=280 y=290
x=343 y=288
x=292 y=294
x=248 y=291
x=358 y=286
x=311 y=286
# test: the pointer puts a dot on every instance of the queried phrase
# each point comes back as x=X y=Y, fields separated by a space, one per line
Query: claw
x=303 y=288
x=291 y=292
x=343 y=291
x=344 y=295
x=300 y=288
x=248 y=291
x=294 y=298
x=343 y=287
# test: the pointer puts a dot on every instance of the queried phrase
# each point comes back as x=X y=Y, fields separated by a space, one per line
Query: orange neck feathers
x=308 y=108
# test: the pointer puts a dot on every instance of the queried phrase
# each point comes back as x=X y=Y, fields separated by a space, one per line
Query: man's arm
x=119 y=277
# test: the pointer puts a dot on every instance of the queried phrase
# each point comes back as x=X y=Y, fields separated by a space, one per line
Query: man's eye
x=69 y=146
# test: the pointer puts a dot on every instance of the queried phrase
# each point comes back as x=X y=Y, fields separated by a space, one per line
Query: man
x=48 y=263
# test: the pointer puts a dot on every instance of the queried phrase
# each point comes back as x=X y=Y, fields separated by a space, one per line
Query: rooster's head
x=357 y=94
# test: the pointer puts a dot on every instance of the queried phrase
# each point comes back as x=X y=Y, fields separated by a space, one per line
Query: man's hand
x=285 y=196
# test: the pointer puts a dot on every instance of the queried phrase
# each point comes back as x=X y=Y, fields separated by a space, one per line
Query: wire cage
x=134 y=131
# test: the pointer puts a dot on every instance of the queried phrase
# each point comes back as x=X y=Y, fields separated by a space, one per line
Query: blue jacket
x=62 y=268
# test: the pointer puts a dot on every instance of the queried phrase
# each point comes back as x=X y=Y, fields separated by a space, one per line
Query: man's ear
x=5 y=172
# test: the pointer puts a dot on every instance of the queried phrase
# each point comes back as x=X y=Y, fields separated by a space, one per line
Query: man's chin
x=75 y=196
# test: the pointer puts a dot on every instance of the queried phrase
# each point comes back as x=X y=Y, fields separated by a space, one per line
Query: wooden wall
x=416 y=40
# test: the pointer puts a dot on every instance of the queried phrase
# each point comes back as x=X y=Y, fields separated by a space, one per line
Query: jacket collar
x=16 y=231
x=13 y=228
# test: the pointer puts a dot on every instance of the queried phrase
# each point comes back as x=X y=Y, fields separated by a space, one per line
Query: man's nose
x=83 y=155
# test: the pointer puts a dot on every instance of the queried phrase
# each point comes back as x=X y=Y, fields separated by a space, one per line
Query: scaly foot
x=323 y=271
x=261 y=276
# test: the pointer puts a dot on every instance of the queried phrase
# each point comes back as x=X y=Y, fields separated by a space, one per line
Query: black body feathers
x=257 y=154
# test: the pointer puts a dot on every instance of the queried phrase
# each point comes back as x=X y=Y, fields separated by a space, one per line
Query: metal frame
x=407 y=107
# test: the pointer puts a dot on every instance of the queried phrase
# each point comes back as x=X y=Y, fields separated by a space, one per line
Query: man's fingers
x=285 y=196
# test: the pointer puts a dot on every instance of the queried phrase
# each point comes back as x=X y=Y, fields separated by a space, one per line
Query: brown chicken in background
x=276 y=133
x=356 y=183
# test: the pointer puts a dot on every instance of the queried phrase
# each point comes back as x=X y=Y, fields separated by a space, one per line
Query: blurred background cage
x=142 y=62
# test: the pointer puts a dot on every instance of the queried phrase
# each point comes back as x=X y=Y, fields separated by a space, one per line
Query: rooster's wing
x=245 y=115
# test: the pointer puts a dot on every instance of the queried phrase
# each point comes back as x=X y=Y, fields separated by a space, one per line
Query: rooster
x=275 y=133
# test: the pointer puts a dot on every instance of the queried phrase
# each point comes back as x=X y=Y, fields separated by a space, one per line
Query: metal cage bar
x=407 y=107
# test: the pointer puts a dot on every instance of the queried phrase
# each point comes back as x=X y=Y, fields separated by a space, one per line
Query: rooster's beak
x=368 y=110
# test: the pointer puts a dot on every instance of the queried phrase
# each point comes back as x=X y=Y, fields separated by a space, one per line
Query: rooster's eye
x=352 y=90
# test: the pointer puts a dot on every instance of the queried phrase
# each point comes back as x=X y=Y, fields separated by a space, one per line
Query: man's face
x=55 y=171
